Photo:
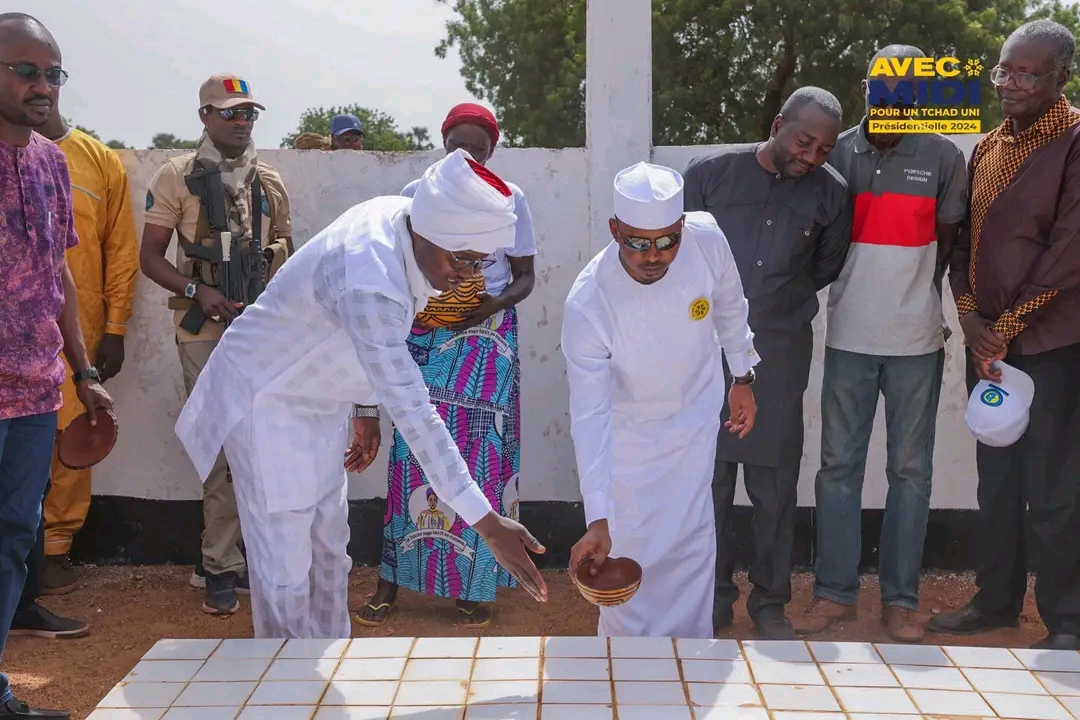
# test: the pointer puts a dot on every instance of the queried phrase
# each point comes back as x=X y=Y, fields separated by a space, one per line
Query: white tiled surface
x=562 y=678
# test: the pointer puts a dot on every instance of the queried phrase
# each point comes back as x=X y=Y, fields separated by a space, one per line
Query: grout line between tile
x=540 y=682
x=825 y=678
x=333 y=673
x=611 y=679
x=682 y=678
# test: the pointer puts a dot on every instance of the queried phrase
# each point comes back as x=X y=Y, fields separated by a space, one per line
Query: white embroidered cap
x=998 y=413
x=648 y=197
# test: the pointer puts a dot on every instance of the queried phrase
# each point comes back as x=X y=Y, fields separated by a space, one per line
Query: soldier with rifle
x=231 y=216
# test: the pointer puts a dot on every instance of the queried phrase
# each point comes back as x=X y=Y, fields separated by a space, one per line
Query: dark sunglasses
x=639 y=244
x=229 y=114
x=30 y=72
x=463 y=264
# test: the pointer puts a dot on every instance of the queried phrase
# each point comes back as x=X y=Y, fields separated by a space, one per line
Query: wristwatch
x=189 y=291
x=89 y=373
x=365 y=411
x=747 y=379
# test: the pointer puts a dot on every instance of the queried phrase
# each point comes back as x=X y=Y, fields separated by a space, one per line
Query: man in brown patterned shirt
x=1016 y=278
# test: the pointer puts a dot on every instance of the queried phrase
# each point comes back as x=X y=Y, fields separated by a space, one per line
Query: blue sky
x=136 y=66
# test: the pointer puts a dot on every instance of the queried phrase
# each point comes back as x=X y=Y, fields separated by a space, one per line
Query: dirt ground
x=131 y=608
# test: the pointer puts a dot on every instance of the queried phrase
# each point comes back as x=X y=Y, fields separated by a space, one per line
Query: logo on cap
x=699 y=309
x=993 y=396
x=236 y=85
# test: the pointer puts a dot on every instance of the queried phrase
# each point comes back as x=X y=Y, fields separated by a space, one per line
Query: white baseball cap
x=998 y=412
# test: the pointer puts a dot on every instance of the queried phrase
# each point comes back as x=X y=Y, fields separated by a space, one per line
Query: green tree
x=168 y=141
x=526 y=58
x=721 y=68
x=380 y=130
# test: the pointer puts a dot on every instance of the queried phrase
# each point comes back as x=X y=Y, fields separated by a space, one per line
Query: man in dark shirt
x=787 y=217
x=1016 y=278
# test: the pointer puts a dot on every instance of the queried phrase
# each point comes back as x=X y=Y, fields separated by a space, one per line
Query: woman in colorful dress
x=466 y=344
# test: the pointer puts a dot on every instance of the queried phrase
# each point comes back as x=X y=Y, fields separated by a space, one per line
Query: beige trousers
x=221 y=523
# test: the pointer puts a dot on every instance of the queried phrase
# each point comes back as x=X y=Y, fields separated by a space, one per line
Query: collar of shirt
x=1052 y=123
x=906 y=146
x=10 y=151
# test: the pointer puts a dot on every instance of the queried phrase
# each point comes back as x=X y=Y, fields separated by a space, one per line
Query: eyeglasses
x=1023 y=80
x=30 y=72
x=639 y=244
x=229 y=114
x=463 y=264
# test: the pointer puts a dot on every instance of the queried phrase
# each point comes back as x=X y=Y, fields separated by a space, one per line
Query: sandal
x=467 y=621
x=387 y=606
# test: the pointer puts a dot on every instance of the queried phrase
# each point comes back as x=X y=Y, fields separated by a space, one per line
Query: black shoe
x=18 y=709
x=723 y=618
x=198 y=577
x=220 y=595
x=57 y=577
x=36 y=621
x=1058 y=641
x=198 y=580
x=772 y=624
x=969 y=620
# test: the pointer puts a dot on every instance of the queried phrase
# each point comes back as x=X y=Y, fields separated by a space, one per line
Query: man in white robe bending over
x=642 y=334
x=329 y=331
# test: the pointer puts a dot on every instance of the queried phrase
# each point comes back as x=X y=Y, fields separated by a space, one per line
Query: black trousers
x=774 y=495
x=1039 y=473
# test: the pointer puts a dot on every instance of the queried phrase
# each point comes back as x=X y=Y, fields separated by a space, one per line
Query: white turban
x=457 y=209
x=648 y=197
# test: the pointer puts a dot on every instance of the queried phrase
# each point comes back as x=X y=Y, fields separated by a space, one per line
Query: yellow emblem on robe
x=699 y=309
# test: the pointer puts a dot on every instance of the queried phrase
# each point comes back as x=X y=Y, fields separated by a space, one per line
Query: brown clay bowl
x=611 y=600
x=615 y=583
x=81 y=446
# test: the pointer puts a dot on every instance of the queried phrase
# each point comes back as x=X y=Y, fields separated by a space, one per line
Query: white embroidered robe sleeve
x=588 y=369
x=730 y=309
x=378 y=327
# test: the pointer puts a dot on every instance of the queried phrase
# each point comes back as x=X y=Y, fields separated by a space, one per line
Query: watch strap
x=747 y=379
x=365 y=411
x=89 y=373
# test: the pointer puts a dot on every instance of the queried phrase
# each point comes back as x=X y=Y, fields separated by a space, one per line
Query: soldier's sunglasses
x=30 y=72
x=229 y=114
x=639 y=244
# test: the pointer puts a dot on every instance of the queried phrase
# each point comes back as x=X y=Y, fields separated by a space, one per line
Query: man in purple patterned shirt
x=38 y=307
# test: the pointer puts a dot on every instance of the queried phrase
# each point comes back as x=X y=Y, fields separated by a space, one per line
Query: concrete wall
x=148 y=461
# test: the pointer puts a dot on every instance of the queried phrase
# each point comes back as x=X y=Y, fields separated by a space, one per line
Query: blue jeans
x=911 y=386
x=26 y=448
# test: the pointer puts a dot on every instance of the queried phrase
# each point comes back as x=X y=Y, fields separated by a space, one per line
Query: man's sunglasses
x=30 y=72
x=229 y=114
x=639 y=244
x=476 y=265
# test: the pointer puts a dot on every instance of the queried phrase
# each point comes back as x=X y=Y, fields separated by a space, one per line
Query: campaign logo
x=924 y=95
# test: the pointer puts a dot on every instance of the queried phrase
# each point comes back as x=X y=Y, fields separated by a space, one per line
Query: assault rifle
x=240 y=266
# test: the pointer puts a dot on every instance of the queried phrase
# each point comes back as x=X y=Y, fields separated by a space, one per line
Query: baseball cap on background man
x=341 y=124
x=226 y=91
x=998 y=412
